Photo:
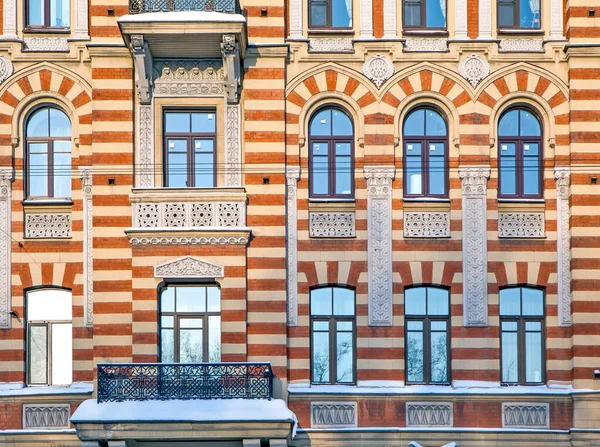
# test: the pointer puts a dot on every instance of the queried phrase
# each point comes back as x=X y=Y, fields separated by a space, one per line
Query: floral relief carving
x=146 y=147
x=10 y=19
x=379 y=203
x=425 y=44
x=189 y=214
x=292 y=175
x=5 y=246
x=330 y=45
x=378 y=69
x=562 y=175
x=474 y=209
x=188 y=77
x=522 y=225
x=191 y=240
x=88 y=260
x=46 y=44
x=48 y=225
x=189 y=267
x=233 y=160
x=295 y=19
x=331 y=225
x=427 y=414
x=426 y=224
x=333 y=414
x=474 y=69
x=525 y=415
x=522 y=45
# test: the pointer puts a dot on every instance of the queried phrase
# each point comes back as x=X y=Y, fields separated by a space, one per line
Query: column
x=556 y=20
x=145 y=143
x=5 y=246
x=474 y=237
x=563 y=236
x=460 y=19
x=389 y=19
x=296 y=9
x=379 y=204
x=485 y=19
x=88 y=261
x=10 y=20
x=292 y=176
x=233 y=149
x=366 y=19
x=81 y=20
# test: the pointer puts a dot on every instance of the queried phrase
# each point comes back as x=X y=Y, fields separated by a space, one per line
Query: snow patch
x=381 y=383
x=19 y=389
x=474 y=384
x=182 y=16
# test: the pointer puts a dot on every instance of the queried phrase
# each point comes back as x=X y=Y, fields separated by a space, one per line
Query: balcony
x=147 y=6
x=184 y=381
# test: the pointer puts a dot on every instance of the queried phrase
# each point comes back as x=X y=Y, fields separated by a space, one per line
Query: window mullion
x=50 y=172
x=332 y=351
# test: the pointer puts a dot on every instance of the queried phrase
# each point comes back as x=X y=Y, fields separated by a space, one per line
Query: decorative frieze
x=429 y=414
x=330 y=45
x=188 y=240
x=525 y=415
x=426 y=224
x=88 y=259
x=233 y=146
x=522 y=45
x=333 y=414
x=45 y=44
x=522 y=225
x=47 y=225
x=379 y=205
x=292 y=175
x=563 y=236
x=425 y=44
x=188 y=77
x=46 y=416
x=331 y=225
x=5 y=246
x=6 y=69
x=378 y=69
x=188 y=214
x=189 y=267
x=474 y=69
x=474 y=242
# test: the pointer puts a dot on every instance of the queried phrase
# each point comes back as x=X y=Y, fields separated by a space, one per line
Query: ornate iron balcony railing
x=170 y=381
x=142 y=6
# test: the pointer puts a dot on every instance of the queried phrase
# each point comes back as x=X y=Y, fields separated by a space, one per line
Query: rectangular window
x=190 y=149
x=48 y=13
x=424 y=14
x=520 y=14
x=330 y=14
x=49 y=337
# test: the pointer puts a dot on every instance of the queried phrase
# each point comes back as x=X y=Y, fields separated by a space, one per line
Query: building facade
x=369 y=222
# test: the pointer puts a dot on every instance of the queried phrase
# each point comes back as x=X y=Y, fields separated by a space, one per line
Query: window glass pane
x=320 y=357
x=214 y=299
x=214 y=338
x=506 y=16
x=438 y=325
x=37 y=125
x=38 y=170
x=321 y=123
x=414 y=325
x=190 y=345
x=531 y=173
x=177 y=122
x=62 y=353
x=530 y=126
x=35 y=12
x=321 y=301
x=344 y=356
x=321 y=325
x=166 y=346
x=38 y=360
x=439 y=357
x=62 y=171
x=320 y=166
x=318 y=14
x=204 y=166
x=167 y=322
x=203 y=122
x=414 y=301
x=508 y=177
x=437 y=301
x=177 y=163
x=529 y=13
x=509 y=326
x=343 y=174
x=341 y=13
x=342 y=126
x=437 y=174
x=167 y=303
x=412 y=14
x=413 y=172
x=59 y=13
x=414 y=356
x=435 y=14
x=49 y=304
x=191 y=299
x=414 y=125
x=533 y=301
x=343 y=325
x=510 y=301
x=510 y=359
x=533 y=325
x=343 y=301
x=509 y=124
x=60 y=126
x=435 y=124
x=190 y=323
x=533 y=359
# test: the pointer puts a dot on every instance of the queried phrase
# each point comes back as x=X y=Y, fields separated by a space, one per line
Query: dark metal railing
x=142 y=6
x=166 y=381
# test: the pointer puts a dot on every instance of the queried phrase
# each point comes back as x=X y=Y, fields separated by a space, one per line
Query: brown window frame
x=423 y=17
x=516 y=20
x=331 y=141
x=189 y=137
x=332 y=320
x=49 y=141
x=519 y=142
x=521 y=332
x=328 y=25
x=46 y=27
x=427 y=319
x=424 y=141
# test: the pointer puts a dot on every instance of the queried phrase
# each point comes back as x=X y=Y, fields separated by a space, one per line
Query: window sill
x=333 y=31
x=520 y=31
x=47 y=205
x=528 y=206
x=517 y=200
x=331 y=205
x=425 y=32
x=46 y=31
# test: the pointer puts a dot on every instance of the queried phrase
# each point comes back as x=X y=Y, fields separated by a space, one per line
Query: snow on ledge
x=19 y=389
x=182 y=16
x=38 y=431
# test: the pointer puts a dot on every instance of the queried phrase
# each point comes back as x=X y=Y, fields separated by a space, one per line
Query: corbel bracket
x=142 y=59
x=231 y=62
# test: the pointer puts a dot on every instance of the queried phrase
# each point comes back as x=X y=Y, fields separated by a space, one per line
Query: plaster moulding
x=330 y=45
x=6 y=69
x=425 y=44
x=474 y=69
x=189 y=267
x=521 y=45
x=378 y=69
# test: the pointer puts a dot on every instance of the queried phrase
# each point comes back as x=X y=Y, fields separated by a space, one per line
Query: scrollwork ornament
x=378 y=69
x=474 y=69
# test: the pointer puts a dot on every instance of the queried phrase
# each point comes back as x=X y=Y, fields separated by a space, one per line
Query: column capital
x=474 y=179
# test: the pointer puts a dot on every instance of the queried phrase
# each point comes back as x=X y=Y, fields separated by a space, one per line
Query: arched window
x=522 y=335
x=48 y=142
x=425 y=137
x=331 y=157
x=520 y=154
x=427 y=338
x=190 y=324
x=333 y=328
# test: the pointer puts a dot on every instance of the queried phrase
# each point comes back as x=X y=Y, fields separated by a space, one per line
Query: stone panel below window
x=47 y=225
x=521 y=225
x=332 y=225
x=525 y=415
x=426 y=224
x=333 y=414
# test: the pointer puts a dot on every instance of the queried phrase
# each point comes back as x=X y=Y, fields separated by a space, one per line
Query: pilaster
x=460 y=20
x=233 y=147
x=5 y=246
x=292 y=176
x=563 y=236
x=366 y=19
x=88 y=261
